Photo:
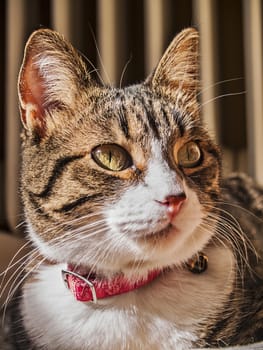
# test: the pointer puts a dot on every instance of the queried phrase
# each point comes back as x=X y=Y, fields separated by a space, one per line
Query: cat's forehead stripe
x=147 y=106
x=123 y=122
x=122 y=115
x=177 y=117
x=142 y=111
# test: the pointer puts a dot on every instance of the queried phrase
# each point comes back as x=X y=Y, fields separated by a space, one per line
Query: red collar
x=92 y=289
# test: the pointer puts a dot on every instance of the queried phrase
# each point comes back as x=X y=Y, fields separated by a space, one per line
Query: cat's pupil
x=112 y=157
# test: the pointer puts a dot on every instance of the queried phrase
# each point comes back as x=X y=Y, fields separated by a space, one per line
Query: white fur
x=162 y=315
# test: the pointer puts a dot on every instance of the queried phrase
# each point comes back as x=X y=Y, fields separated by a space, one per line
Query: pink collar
x=92 y=289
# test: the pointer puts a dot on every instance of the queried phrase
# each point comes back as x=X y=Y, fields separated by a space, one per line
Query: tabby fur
x=114 y=221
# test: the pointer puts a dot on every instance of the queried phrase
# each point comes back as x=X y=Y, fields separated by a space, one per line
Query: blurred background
x=125 y=39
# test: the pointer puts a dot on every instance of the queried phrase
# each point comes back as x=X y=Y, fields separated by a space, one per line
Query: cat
x=139 y=243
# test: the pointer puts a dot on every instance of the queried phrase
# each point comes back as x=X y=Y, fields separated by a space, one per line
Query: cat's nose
x=173 y=204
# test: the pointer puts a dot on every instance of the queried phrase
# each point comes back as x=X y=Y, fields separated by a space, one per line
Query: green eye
x=112 y=157
x=189 y=155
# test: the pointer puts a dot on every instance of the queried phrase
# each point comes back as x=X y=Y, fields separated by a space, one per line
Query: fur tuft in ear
x=51 y=76
x=178 y=69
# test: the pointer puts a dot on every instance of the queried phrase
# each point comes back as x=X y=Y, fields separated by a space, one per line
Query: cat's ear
x=178 y=69
x=51 y=77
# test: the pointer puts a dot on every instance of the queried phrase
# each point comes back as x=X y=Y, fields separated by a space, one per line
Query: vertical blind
x=124 y=39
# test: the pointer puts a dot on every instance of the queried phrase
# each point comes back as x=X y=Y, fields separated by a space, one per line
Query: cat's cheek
x=53 y=253
x=38 y=242
x=186 y=236
x=59 y=251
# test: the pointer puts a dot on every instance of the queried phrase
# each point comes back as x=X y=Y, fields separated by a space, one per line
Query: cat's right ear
x=51 y=77
x=178 y=69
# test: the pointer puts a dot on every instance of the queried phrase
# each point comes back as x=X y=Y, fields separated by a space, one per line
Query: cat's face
x=115 y=179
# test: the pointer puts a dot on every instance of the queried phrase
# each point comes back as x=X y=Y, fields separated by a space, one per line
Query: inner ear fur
x=178 y=69
x=51 y=76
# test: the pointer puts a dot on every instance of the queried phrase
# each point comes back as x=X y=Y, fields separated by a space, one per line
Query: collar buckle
x=66 y=274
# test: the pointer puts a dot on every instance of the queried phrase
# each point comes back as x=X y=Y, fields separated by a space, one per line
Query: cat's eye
x=189 y=155
x=112 y=157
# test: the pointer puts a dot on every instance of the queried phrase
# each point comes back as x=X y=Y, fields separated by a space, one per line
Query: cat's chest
x=128 y=322
x=163 y=315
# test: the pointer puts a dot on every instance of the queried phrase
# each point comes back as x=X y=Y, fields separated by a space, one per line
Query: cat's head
x=115 y=179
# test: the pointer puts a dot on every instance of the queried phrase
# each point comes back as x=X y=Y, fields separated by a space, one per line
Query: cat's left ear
x=178 y=69
x=52 y=76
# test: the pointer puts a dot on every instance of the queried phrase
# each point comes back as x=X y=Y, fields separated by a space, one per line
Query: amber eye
x=112 y=157
x=189 y=155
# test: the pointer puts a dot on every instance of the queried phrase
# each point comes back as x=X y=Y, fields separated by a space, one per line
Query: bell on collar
x=198 y=263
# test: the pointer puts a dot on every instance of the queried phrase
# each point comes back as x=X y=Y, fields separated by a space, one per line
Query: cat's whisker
x=222 y=243
x=100 y=59
x=231 y=230
x=222 y=96
x=30 y=259
x=249 y=212
x=239 y=276
x=17 y=272
x=89 y=228
x=13 y=290
x=13 y=278
x=70 y=233
x=55 y=242
x=78 y=234
x=78 y=237
x=225 y=228
x=102 y=253
x=221 y=82
x=14 y=262
x=124 y=71
x=20 y=224
x=17 y=275
x=232 y=220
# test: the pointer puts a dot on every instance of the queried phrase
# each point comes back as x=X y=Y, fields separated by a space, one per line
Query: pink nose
x=173 y=204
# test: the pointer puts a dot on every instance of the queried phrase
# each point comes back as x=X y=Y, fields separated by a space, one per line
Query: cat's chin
x=161 y=234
